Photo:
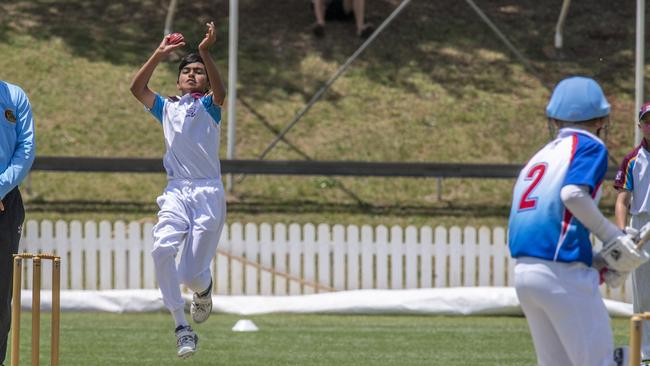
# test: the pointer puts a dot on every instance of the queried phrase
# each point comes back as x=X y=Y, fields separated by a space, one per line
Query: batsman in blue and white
x=554 y=208
x=193 y=206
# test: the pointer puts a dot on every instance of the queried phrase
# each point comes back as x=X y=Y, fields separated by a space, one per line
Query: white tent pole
x=560 y=23
x=169 y=19
x=501 y=36
x=332 y=79
x=640 y=64
x=232 y=84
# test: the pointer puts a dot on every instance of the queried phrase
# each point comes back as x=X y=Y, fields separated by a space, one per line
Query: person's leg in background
x=358 y=7
x=11 y=221
x=319 y=13
x=641 y=290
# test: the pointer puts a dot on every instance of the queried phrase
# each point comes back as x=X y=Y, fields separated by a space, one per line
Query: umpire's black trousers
x=11 y=223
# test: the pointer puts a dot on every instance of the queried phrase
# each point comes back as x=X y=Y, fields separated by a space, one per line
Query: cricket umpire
x=17 y=150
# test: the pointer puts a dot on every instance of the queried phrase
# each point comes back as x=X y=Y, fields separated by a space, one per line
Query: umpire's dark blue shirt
x=17 y=143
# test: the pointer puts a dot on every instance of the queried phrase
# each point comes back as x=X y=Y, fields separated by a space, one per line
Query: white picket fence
x=285 y=259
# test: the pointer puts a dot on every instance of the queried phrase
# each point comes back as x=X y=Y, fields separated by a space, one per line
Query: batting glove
x=621 y=254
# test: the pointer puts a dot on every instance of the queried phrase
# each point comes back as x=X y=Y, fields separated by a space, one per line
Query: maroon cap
x=645 y=108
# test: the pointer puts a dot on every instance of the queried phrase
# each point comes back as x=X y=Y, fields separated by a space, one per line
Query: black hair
x=189 y=59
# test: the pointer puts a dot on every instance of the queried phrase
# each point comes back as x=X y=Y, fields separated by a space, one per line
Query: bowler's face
x=193 y=78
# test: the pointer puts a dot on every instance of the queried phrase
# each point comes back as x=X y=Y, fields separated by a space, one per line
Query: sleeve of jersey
x=213 y=110
x=624 y=178
x=25 y=149
x=588 y=165
x=157 y=109
x=583 y=207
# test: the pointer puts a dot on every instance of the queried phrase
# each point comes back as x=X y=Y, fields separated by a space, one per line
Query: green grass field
x=147 y=339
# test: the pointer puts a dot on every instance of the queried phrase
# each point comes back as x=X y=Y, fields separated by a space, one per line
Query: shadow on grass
x=442 y=39
x=286 y=207
x=78 y=206
x=278 y=207
x=301 y=207
x=113 y=31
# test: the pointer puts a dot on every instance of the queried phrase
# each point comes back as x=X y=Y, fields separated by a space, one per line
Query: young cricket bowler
x=192 y=206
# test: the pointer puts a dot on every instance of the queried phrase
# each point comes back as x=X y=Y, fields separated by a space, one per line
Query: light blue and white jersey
x=17 y=142
x=191 y=125
x=540 y=225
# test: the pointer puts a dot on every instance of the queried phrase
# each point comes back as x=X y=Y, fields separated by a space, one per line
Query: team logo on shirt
x=191 y=112
x=10 y=116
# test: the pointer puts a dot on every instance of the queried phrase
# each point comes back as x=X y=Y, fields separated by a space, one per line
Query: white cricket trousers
x=641 y=288
x=191 y=216
x=566 y=314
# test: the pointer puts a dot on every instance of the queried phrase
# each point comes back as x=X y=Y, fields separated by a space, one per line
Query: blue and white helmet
x=577 y=99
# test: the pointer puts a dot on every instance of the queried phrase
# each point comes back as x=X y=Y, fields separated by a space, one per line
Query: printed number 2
x=535 y=173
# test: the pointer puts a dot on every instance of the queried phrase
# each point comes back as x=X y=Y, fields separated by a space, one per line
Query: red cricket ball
x=175 y=38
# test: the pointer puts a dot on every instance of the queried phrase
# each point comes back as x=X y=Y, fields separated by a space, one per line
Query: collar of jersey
x=567 y=131
x=187 y=98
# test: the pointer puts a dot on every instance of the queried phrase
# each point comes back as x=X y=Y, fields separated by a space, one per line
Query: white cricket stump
x=245 y=325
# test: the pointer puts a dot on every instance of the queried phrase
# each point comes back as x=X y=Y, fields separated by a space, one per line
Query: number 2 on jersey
x=535 y=174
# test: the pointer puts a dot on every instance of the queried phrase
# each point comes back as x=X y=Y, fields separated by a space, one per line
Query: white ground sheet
x=439 y=301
